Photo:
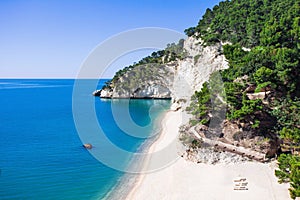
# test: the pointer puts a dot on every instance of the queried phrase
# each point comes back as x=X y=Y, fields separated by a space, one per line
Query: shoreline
x=187 y=180
x=120 y=190
x=169 y=114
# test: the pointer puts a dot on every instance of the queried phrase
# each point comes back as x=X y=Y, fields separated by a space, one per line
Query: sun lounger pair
x=240 y=180
x=240 y=188
x=240 y=184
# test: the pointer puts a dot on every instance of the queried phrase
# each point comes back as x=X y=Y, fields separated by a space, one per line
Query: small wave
x=24 y=86
x=27 y=84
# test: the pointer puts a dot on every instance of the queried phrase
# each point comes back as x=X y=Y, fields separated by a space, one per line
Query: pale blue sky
x=51 y=39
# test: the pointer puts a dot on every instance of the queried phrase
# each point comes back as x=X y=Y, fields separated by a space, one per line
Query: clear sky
x=51 y=39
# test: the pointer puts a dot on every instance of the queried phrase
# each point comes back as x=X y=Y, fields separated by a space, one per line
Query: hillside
x=254 y=47
x=174 y=73
x=262 y=84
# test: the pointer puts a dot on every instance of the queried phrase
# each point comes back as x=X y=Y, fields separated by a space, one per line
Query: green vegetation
x=196 y=58
x=250 y=23
x=171 y=53
x=289 y=171
x=201 y=105
x=287 y=113
x=270 y=68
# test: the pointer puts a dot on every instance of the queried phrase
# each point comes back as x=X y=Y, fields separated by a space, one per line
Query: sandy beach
x=186 y=180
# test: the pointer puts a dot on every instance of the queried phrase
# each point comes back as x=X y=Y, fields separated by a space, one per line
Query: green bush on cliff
x=287 y=112
x=201 y=105
x=289 y=171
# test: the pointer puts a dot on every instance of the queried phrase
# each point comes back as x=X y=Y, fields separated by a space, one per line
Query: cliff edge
x=175 y=79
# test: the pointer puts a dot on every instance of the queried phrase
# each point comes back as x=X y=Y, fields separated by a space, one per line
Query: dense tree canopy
x=250 y=23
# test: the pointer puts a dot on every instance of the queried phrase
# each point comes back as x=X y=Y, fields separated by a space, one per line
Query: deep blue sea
x=41 y=153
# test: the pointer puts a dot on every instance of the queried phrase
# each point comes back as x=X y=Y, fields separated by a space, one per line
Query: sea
x=41 y=152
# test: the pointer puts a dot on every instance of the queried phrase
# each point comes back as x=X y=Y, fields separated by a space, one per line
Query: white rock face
x=177 y=80
x=154 y=91
x=194 y=70
x=105 y=94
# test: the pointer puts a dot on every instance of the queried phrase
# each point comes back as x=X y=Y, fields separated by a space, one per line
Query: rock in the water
x=87 y=146
x=97 y=93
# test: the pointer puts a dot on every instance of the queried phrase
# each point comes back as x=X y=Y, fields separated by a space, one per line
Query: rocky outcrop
x=146 y=81
x=197 y=67
x=258 y=95
x=209 y=155
x=233 y=140
x=177 y=79
x=235 y=135
x=97 y=93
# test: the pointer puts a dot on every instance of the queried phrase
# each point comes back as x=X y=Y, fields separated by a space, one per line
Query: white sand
x=187 y=180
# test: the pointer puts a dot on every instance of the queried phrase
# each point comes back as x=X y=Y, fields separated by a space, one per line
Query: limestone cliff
x=177 y=79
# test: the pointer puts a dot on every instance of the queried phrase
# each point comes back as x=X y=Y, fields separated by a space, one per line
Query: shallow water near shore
x=41 y=156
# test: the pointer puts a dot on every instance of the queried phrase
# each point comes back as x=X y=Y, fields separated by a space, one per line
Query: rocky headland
x=176 y=80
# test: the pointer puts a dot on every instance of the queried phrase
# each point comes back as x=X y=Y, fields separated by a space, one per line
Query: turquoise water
x=41 y=156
